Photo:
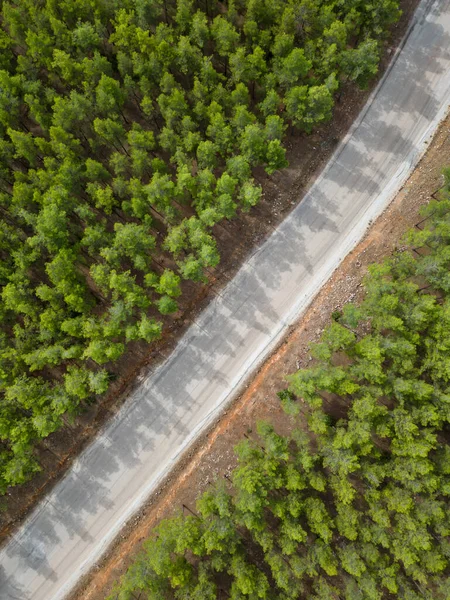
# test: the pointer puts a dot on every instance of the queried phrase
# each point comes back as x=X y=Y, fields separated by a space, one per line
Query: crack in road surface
x=71 y=528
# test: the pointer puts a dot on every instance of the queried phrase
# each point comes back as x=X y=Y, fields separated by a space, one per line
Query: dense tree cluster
x=354 y=503
x=129 y=128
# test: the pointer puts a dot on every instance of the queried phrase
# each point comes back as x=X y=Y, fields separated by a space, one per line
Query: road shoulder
x=212 y=455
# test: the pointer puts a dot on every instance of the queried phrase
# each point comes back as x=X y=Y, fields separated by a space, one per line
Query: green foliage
x=129 y=129
x=350 y=507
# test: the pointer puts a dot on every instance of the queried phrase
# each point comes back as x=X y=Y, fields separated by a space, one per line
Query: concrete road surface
x=74 y=524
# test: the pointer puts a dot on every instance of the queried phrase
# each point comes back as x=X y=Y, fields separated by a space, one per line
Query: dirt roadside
x=212 y=456
x=307 y=156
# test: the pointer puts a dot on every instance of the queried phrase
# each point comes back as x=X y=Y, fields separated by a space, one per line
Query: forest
x=352 y=504
x=129 y=130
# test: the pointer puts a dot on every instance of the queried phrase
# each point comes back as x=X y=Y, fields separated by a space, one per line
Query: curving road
x=73 y=525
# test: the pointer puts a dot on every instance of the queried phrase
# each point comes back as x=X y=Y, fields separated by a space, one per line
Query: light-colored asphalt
x=73 y=525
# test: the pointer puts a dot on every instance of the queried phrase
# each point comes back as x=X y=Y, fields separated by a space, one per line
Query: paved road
x=75 y=523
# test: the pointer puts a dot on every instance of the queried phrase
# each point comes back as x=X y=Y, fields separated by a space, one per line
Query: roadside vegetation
x=354 y=503
x=129 y=130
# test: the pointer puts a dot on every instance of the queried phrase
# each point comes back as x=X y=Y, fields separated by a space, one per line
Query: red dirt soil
x=212 y=456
